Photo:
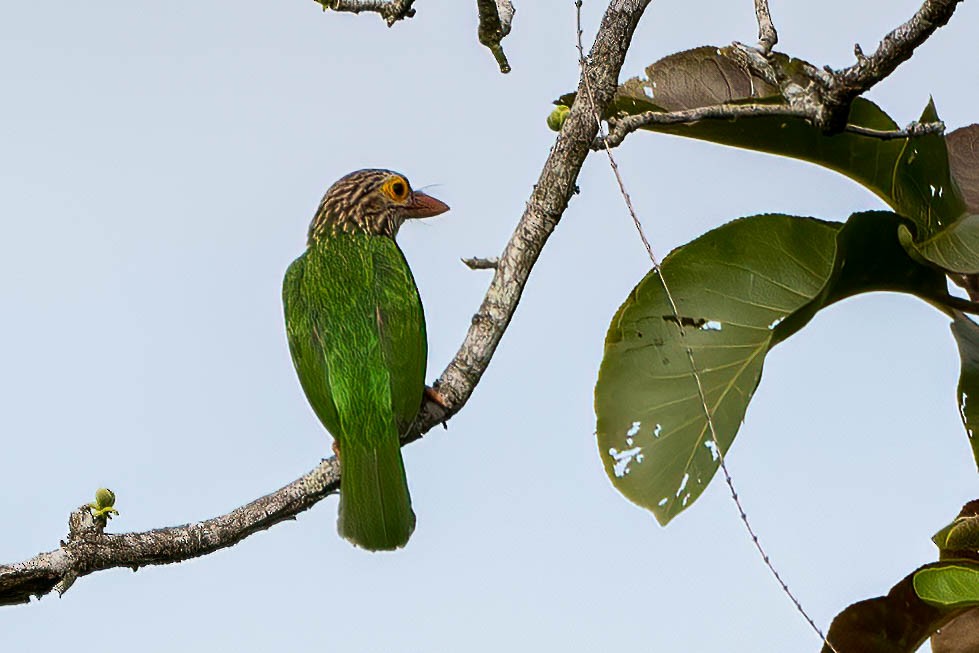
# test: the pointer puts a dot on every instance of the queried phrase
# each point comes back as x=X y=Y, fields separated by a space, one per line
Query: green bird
x=356 y=332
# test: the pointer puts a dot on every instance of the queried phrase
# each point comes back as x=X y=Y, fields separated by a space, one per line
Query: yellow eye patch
x=396 y=188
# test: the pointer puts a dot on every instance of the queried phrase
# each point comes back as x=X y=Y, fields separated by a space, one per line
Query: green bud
x=557 y=117
x=105 y=499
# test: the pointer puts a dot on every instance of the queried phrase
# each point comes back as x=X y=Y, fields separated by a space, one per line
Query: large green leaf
x=739 y=289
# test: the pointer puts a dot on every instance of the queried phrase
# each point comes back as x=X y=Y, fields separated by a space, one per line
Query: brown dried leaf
x=961 y=635
x=963 y=157
x=700 y=77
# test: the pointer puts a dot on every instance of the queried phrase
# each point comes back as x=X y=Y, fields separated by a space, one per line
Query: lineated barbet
x=356 y=332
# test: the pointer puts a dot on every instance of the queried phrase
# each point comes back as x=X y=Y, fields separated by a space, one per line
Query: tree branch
x=88 y=549
x=390 y=10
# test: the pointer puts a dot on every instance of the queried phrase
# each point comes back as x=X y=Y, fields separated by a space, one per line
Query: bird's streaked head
x=371 y=201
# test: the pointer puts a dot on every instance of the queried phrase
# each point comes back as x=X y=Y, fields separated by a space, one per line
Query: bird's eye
x=397 y=188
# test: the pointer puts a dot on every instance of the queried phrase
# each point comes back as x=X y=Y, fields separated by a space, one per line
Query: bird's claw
x=436 y=397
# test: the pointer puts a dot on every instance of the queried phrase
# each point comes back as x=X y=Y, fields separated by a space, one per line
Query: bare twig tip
x=478 y=263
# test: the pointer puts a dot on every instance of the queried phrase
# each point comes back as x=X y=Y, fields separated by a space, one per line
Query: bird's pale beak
x=425 y=206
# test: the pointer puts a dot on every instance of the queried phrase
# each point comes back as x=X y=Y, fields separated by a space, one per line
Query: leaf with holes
x=739 y=289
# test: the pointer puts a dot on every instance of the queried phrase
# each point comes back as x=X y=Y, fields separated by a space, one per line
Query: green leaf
x=923 y=188
x=947 y=233
x=966 y=334
x=731 y=286
x=962 y=535
x=955 y=249
x=739 y=289
x=948 y=586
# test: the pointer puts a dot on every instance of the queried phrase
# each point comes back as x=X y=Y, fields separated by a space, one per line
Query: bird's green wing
x=305 y=345
x=401 y=322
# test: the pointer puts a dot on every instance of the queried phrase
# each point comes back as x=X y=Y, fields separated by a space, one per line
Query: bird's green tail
x=375 y=508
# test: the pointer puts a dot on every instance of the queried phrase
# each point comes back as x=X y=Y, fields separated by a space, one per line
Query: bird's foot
x=435 y=396
x=438 y=399
x=336 y=449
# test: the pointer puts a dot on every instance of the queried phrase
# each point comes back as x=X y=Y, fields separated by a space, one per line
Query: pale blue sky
x=159 y=164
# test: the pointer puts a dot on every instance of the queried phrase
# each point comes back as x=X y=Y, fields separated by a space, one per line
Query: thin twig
x=767 y=36
x=912 y=130
x=477 y=263
x=390 y=10
x=88 y=550
x=701 y=394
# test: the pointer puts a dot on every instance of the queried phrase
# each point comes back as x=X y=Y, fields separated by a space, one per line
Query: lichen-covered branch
x=390 y=10
x=88 y=549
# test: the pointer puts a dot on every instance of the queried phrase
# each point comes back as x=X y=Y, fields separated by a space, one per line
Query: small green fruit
x=557 y=117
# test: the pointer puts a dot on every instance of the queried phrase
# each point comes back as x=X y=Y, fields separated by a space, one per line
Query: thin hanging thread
x=683 y=334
